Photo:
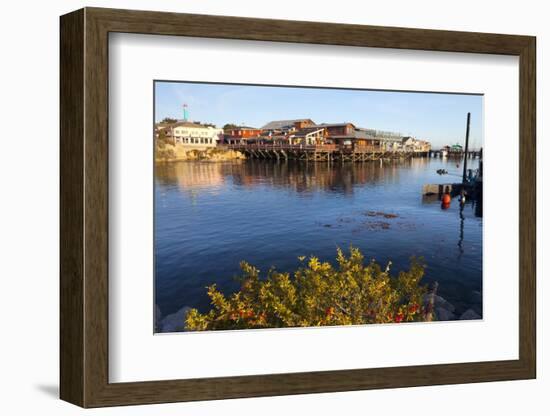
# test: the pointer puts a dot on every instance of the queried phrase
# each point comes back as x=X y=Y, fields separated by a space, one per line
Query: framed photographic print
x=255 y=207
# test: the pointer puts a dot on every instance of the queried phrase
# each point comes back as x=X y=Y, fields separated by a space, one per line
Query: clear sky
x=438 y=118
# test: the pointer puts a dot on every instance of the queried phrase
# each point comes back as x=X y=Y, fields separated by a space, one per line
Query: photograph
x=291 y=206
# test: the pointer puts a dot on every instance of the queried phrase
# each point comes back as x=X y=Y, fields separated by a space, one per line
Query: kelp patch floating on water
x=375 y=222
x=380 y=214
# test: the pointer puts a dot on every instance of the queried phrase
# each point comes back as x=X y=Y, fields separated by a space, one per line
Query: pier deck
x=321 y=153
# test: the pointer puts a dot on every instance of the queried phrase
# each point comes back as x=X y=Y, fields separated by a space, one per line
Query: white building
x=415 y=145
x=195 y=135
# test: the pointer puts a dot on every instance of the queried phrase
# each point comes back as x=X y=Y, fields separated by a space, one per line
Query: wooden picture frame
x=84 y=207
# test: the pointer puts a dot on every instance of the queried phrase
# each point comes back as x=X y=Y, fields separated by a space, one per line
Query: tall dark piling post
x=466 y=149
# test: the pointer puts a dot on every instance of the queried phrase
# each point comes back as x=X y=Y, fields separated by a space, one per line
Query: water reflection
x=461 y=234
x=299 y=177
x=209 y=216
x=190 y=175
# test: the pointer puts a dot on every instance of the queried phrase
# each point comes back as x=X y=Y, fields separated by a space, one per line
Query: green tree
x=230 y=126
x=317 y=294
x=169 y=120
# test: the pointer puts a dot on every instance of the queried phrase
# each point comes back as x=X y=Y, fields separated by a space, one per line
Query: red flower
x=329 y=311
x=398 y=317
x=413 y=308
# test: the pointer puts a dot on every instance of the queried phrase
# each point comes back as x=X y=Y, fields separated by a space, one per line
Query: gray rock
x=175 y=322
x=475 y=297
x=470 y=314
x=439 y=302
x=444 y=314
x=158 y=317
x=477 y=309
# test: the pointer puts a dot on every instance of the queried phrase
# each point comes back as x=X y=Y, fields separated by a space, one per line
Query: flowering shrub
x=317 y=294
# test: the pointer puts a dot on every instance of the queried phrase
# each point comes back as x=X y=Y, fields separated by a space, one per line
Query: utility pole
x=466 y=149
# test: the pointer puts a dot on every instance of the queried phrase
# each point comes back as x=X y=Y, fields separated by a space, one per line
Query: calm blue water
x=210 y=216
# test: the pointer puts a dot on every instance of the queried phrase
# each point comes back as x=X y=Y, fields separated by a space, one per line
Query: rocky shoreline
x=444 y=311
x=178 y=152
x=174 y=322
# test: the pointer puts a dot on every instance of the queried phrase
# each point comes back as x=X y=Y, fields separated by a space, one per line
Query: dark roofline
x=243 y=128
x=283 y=123
x=336 y=124
x=187 y=124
